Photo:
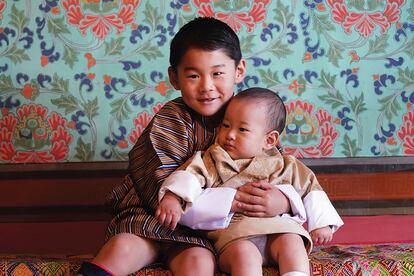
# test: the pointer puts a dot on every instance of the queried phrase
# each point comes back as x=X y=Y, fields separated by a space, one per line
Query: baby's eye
x=242 y=129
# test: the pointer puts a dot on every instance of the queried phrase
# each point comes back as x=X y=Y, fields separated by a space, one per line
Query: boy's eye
x=218 y=73
x=193 y=76
x=224 y=125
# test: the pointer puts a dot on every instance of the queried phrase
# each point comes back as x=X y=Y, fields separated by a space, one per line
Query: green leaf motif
x=282 y=13
x=83 y=150
x=334 y=99
x=378 y=45
x=358 y=104
x=17 y=18
x=59 y=84
x=57 y=26
x=335 y=54
x=409 y=49
x=120 y=109
x=17 y=55
x=322 y=23
x=406 y=76
x=350 y=148
x=70 y=56
x=269 y=78
x=280 y=50
x=6 y=83
x=374 y=5
x=69 y=103
x=301 y=81
x=411 y=12
x=114 y=47
x=246 y=43
x=327 y=80
x=91 y=108
x=151 y=15
x=390 y=106
x=357 y=4
x=138 y=81
x=151 y=52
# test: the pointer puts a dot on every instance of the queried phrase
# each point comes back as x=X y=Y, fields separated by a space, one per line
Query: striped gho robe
x=174 y=134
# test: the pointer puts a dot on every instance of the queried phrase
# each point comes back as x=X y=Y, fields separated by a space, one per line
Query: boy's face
x=206 y=79
x=243 y=133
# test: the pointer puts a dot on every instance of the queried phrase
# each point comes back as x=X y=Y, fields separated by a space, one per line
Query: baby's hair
x=275 y=108
x=205 y=33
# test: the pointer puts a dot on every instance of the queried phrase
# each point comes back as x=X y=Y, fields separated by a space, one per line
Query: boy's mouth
x=207 y=100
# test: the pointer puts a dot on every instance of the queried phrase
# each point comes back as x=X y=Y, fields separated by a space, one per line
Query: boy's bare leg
x=289 y=252
x=241 y=258
x=191 y=260
x=126 y=253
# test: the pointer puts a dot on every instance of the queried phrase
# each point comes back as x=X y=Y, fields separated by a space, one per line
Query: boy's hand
x=260 y=199
x=322 y=235
x=169 y=210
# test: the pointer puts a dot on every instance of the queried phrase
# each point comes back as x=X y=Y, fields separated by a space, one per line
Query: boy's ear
x=240 y=70
x=272 y=138
x=172 y=75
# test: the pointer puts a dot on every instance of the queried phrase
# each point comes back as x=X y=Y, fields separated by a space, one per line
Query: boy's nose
x=207 y=84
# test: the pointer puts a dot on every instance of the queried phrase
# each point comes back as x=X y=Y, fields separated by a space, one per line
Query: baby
x=246 y=151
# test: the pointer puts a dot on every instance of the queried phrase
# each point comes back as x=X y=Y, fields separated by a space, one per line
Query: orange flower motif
x=4 y=111
x=320 y=7
x=161 y=88
x=375 y=77
x=307 y=56
x=27 y=91
x=107 y=79
x=187 y=8
x=91 y=76
x=391 y=141
x=337 y=121
x=44 y=60
x=354 y=56
x=71 y=125
x=408 y=105
x=355 y=70
x=122 y=144
x=55 y=10
x=295 y=85
x=90 y=59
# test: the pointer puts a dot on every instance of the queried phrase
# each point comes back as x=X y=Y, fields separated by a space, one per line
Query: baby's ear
x=272 y=138
x=172 y=75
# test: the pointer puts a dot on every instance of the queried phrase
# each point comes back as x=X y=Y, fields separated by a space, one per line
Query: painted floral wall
x=80 y=79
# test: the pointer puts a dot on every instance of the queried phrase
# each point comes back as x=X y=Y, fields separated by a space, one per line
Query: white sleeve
x=321 y=212
x=182 y=183
x=297 y=208
x=211 y=209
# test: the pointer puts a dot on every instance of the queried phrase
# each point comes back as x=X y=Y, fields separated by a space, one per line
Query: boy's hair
x=206 y=33
x=275 y=108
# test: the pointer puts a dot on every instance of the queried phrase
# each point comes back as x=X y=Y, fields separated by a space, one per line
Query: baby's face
x=243 y=131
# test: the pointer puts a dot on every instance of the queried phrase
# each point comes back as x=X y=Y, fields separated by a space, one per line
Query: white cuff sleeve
x=211 y=210
x=321 y=212
x=182 y=183
x=297 y=208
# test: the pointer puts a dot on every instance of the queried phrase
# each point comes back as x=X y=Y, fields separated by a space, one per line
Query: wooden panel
x=368 y=186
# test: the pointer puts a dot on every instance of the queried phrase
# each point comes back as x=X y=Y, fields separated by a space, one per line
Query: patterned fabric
x=367 y=260
x=173 y=135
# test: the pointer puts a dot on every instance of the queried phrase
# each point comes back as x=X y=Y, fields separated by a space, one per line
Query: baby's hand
x=322 y=235
x=169 y=210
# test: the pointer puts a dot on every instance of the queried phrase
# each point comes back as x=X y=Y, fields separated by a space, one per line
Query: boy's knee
x=285 y=242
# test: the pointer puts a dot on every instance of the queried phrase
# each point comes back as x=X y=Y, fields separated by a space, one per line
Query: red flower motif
x=365 y=23
x=140 y=123
x=303 y=127
x=100 y=25
x=406 y=133
x=3 y=5
x=22 y=136
x=235 y=20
